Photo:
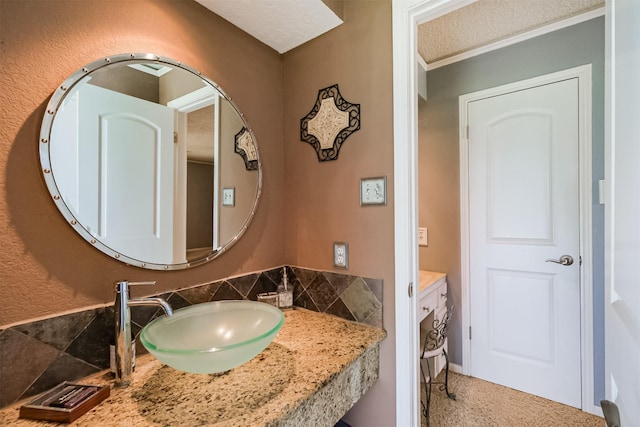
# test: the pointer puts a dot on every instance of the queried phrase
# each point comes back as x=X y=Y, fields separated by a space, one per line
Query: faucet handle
x=123 y=285
x=150 y=282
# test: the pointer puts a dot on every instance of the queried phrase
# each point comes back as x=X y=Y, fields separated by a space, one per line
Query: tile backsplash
x=37 y=356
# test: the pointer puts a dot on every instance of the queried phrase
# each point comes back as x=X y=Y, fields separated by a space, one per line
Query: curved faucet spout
x=152 y=301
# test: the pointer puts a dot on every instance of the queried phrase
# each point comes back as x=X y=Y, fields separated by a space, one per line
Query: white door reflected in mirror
x=135 y=150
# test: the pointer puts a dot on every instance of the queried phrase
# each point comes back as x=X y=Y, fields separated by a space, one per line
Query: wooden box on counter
x=64 y=403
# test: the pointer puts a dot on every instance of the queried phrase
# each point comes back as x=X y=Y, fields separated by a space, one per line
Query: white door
x=126 y=174
x=524 y=210
x=622 y=292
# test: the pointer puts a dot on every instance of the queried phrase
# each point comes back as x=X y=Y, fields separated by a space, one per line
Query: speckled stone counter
x=430 y=278
x=312 y=373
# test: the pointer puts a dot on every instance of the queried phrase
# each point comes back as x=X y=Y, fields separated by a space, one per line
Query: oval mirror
x=150 y=162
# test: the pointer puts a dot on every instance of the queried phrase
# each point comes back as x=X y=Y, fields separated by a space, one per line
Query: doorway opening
x=406 y=20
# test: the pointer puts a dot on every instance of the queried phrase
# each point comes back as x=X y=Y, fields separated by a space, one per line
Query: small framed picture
x=373 y=191
x=229 y=196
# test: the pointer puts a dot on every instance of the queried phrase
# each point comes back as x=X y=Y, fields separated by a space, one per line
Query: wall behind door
x=439 y=183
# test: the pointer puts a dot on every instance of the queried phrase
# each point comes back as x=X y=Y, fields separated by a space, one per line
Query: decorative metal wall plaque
x=245 y=147
x=329 y=123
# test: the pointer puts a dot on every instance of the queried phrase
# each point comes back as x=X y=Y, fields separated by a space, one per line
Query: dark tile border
x=72 y=346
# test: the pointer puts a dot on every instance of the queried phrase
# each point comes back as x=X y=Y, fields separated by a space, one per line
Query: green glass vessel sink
x=212 y=337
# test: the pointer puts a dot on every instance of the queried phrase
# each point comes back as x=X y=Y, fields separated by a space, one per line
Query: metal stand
x=434 y=345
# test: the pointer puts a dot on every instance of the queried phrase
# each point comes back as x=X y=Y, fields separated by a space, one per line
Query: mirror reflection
x=150 y=161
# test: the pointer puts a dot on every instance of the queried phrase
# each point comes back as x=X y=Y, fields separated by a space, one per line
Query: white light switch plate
x=422 y=236
x=373 y=191
x=341 y=255
x=601 y=191
x=228 y=197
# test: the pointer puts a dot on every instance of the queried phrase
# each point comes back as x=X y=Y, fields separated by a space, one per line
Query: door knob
x=564 y=260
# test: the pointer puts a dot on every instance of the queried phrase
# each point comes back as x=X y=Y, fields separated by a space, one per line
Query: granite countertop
x=316 y=368
x=429 y=278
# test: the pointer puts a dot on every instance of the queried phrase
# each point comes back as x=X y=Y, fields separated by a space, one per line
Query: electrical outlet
x=341 y=255
x=422 y=236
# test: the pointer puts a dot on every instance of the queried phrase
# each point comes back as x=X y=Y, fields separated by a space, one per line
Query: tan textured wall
x=233 y=174
x=323 y=198
x=45 y=267
x=439 y=195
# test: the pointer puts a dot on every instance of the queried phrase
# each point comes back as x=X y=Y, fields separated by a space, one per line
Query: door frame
x=406 y=15
x=192 y=101
x=583 y=74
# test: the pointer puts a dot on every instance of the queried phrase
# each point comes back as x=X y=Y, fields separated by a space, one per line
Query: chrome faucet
x=123 y=327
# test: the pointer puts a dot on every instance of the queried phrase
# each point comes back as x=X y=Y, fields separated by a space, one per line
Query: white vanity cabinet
x=432 y=304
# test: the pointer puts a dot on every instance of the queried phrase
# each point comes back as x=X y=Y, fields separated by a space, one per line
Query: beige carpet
x=480 y=403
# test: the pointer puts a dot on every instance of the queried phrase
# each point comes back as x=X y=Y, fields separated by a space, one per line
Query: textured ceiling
x=281 y=24
x=488 y=21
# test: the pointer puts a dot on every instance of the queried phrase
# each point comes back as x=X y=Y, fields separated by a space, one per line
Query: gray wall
x=439 y=155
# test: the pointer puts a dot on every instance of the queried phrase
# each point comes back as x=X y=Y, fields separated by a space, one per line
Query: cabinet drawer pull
x=443 y=295
x=425 y=308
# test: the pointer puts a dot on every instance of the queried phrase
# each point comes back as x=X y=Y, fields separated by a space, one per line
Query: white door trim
x=583 y=73
x=622 y=327
x=406 y=15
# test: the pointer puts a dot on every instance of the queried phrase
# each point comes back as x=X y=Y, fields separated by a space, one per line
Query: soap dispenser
x=285 y=291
